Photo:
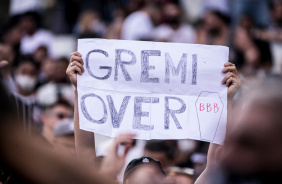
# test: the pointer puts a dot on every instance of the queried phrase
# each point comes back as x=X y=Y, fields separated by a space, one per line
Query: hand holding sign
x=232 y=80
x=159 y=102
x=75 y=66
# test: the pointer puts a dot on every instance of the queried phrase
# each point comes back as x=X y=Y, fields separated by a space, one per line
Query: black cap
x=139 y=162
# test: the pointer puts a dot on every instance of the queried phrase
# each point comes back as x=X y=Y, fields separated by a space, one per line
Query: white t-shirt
x=184 y=34
x=22 y=6
x=40 y=38
x=136 y=26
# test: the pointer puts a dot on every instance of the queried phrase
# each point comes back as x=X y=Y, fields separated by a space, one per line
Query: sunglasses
x=62 y=116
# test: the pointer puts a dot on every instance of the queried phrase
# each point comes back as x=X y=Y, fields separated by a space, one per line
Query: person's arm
x=269 y=36
x=84 y=141
x=112 y=156
x=233 y=82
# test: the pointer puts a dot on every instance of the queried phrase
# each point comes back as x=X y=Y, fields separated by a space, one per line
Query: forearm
x=84 y=141
x=214 y=149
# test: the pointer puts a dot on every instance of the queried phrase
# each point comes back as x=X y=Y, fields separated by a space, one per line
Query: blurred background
x=38 y=36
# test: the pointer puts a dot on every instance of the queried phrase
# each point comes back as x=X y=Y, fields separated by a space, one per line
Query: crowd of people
x=40 y=140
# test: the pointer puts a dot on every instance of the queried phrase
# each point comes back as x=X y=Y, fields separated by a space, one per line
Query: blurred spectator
x=90 y=23
x=274 y=31
x=273 y=34
x=186 y=149
x=34 y=36
x=64 y=136
x=54 y=92
x=251 y=53
x=58 y=85
x=214 y=30
x=12 y=33
x=61 y=65
x=173 y=29
x=115 y=28
x=7 y=55
x=26 y=78
x=40 y=54
x=256 y=8
x=58 y=126
x=217 y=5
x=139 y=24
x=47 y=71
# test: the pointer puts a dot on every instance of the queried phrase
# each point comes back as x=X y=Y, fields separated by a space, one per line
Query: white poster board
x=156 y=90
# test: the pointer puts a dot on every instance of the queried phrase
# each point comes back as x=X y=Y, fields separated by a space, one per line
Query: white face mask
x=26 y=83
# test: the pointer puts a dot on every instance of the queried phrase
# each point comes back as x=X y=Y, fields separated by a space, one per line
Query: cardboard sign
x=157 y=90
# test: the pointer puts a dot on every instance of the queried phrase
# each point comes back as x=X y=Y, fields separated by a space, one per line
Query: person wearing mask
x=57 y=120
x=25 y=79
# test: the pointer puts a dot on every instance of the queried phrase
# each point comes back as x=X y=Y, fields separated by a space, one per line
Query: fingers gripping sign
x=75 y=66
x=231 y=80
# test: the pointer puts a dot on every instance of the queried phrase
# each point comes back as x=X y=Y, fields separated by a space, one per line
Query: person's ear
x=44 y=119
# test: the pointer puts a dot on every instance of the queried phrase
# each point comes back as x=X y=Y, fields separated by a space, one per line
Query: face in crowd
x=26 y=77
x=255 y=144
x=55 y=120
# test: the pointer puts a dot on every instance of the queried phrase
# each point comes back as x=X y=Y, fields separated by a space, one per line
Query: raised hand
x=113 y=162
x=75 y=66
x=231 y=80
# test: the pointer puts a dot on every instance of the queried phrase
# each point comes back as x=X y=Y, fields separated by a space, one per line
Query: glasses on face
x=62 y=115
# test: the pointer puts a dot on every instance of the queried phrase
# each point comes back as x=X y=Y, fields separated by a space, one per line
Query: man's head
x=144 y=170
x=55 y=114
x=172 y=14
x=12 y=32
x=215 y=21
x=29 y=22
x=255 y=144
x=61 y=65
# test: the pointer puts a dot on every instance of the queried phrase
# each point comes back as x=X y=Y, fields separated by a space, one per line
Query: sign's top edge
x=84 y=40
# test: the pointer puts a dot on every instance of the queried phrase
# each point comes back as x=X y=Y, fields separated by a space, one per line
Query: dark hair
x=28 y=59
x=8 y=26
x=160 y=146
x=61 y=102
x=62 y=60
x=222 y=16
x=34 y=16
x=139 y=162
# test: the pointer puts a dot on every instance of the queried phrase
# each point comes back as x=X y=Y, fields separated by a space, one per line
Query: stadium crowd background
x=37 y=38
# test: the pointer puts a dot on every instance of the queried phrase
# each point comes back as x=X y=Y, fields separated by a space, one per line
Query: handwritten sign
x=157 y=90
